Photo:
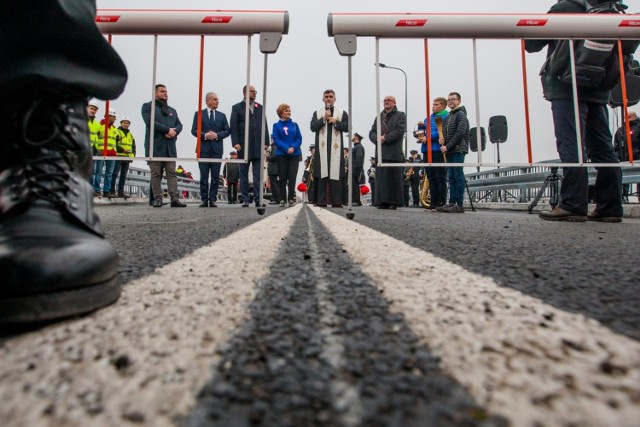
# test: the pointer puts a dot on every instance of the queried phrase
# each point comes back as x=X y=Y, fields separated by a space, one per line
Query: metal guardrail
x=139 y=180
x=521 y=184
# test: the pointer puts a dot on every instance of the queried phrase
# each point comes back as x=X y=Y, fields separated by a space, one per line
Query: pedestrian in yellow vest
x=105 y=167
x=94 y=128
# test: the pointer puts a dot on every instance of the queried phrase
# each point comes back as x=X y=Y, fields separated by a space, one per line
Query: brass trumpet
x=425 y=194
x=409 y=174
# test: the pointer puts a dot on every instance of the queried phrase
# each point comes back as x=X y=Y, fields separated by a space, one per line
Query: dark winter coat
x=456 y=131
x=166 y=117
x=396 y=127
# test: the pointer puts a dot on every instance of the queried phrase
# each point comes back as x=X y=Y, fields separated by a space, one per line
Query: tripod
x=469 y=194
x=550 y=181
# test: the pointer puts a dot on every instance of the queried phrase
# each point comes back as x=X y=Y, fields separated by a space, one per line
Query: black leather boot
x=54 y=259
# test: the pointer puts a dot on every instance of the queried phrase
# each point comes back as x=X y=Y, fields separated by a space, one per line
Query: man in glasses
x=393 y=125
x=256 y=144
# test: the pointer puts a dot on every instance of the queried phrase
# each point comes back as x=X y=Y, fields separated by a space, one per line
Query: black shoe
x=54 y=259
x=212 y=204
x=178 y=204
x=157 y=203
x=204 y=204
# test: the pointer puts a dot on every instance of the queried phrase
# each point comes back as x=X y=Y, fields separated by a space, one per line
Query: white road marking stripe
x=163 y=334
x=491 y=339
x=345 y=397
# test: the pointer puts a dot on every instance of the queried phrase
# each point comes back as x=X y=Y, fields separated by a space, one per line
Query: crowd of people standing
x=326 y=169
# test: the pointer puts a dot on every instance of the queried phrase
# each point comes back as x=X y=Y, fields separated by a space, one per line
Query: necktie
x=211 y=115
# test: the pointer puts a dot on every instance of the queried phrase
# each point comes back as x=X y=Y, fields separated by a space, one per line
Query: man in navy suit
x=254 y=148
x=214 y=128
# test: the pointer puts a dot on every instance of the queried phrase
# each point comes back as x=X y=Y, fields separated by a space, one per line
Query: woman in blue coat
x=287 y=138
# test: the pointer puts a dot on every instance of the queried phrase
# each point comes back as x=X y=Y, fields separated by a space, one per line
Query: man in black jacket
x=256 y=144
x=455 y=131
x=166 y=129
x=594 y=122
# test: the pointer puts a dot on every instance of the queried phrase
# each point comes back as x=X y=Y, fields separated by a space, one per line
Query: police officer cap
x=124 y=118
x=112 y=113
x=357 y=135
x=373 y=158
x=312 y=146
x=413 y=152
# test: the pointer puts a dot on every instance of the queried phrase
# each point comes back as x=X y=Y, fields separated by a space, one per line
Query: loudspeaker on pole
x=498 y=130
x=473 y=139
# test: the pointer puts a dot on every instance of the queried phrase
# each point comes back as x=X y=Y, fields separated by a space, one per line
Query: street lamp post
x=381 y=65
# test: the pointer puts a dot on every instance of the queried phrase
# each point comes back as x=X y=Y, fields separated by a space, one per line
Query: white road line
x=517 y=356
x=162 y=335
x=345 y=397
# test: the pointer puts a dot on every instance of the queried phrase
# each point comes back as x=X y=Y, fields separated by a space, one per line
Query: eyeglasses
x=452 y=99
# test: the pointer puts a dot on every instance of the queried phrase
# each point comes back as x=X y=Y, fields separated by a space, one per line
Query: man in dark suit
x=254 y=146
x=214 y=128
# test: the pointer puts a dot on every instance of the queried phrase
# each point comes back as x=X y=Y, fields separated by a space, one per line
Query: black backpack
x=597 y=64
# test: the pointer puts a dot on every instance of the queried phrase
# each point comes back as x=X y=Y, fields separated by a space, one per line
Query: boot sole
x=564 y=218
x=608 y=219
x=44 y=307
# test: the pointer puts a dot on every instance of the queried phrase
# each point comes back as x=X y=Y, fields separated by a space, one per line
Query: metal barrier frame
x=270 y=25
x=485 y=26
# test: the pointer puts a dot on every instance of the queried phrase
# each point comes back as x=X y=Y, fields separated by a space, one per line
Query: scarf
x=330 y=167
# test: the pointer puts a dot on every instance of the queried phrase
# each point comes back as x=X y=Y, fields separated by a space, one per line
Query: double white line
x=146 y=357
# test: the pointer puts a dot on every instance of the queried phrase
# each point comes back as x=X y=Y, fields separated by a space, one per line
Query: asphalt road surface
x=301 y=317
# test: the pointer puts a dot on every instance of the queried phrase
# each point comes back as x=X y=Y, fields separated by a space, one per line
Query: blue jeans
x=121 y=169
x=456 y=178
x=596 y=136
x=103 y=168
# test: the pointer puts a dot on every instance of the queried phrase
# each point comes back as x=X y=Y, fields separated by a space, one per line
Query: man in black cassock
x=393 y=125
x=328 y=161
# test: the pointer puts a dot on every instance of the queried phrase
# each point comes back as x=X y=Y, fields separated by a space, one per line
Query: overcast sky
x=307 y=63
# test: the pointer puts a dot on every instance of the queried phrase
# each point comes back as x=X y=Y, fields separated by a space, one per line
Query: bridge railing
x=138 y=181
x=520 y=184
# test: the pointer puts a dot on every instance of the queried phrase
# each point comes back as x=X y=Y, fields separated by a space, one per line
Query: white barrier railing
x=347 y=27
x=269 y=25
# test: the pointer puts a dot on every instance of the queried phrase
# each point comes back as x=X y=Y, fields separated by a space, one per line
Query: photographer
x=594 y=123
x=620 y=146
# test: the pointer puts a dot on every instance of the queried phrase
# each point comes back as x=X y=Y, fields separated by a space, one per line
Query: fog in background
x=307 y=63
